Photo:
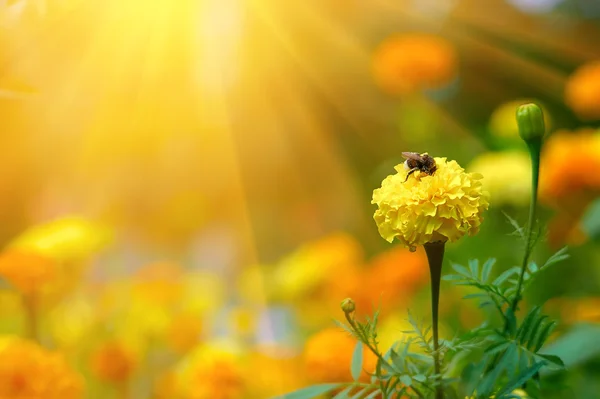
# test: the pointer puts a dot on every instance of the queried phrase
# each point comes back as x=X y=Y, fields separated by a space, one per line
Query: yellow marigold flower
x=581 y=91
x=280 y=372
x=405 y=63
x=114 y=362
x=158 y=283
x=423 y=209
x=27 y=371
x=27 y=271
x=507 y=176
x=328 y=354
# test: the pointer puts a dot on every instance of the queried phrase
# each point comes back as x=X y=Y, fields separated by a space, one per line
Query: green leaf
x=452 y=277
x=357 y=361
x=576 y=346
x=345 y=394
x=361 y=393
x=420 y=377
x=311 y=392
x=475 y=295
x=511 y=321
x=397 y=361
x=543 y=335
x=406 y=380
x=518 y=229
x=529 y=339
x=555 y=360
x=461 y=269
x=374 y=394
x=505 y=275
x=497 y=347
x=487 y=269
x=525 y=327
x=533 y=267
x=558 y=256
x=522 y=378
x=474 y=268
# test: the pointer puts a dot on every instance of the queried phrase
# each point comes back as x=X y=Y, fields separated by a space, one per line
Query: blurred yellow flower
x=442 y=207
x=328 y=354
x=113 y=362
x=276 y=373
x=504 y=124
x=158 y=283
x=27 y=271
x=184 y=332
x=27 y=371
x=404 y=63
x=68 y=238
x=581 y=91
x=211 y=371
x=306 y=268
x=71 y=320
x=507 y=176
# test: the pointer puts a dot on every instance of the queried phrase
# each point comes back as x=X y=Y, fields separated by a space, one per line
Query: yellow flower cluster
x=28 y=371
x=424 y=209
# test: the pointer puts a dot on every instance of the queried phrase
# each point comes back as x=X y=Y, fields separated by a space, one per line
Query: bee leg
x=410 y=172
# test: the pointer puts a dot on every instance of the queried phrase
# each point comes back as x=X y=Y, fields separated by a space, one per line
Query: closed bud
x=348 y=305
x=530 y=120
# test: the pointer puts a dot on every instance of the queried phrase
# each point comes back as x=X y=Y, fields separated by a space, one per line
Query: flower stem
x=535 y=147
x=435 y=256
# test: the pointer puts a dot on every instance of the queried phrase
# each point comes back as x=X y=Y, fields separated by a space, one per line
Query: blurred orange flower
x=112 y=361
x=394 y=276
x=576 y=310
x=581 y=91
x=27 y=371
x=328 y=354
x=27 y=271
x=405 y=63
x=568 y=188
x=210 y=372
x=184 y=332
x=279 y=373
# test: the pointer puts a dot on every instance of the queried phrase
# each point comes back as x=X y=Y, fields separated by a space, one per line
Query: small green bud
x=348 y=305
x=530 y=120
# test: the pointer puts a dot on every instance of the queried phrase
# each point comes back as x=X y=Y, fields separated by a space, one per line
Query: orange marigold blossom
x=28 y=371
x=328 y=354
x=211 y=371
x=27 y=271
x=404 y=63
x=112 y=361
x=581 y=91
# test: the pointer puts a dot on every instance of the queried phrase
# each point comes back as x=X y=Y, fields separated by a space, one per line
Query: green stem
x=435 y=256
x=534 y=152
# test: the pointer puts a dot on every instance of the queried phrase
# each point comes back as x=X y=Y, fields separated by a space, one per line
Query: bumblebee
x=421 y=162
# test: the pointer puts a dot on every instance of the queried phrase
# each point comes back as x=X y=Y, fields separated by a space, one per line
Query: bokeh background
x=185 y=185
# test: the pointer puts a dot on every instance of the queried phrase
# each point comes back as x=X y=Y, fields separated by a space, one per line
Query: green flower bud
x=530 y=120
x=348 y=305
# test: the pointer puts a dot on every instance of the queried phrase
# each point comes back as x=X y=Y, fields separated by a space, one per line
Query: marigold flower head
x=27 y=371
x=184 y=332
x=559 y=179
x=327 y=356
x=27 y=271
x=114 y=362
x=405 y=63
x=423 y=209
x=507 y=176
x=211 y=371
x=581 y=91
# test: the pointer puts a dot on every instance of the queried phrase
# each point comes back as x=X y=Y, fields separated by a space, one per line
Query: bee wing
x=412 y=155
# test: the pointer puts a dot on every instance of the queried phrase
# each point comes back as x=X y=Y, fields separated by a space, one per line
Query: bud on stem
x=348 y=305
x=530 y=120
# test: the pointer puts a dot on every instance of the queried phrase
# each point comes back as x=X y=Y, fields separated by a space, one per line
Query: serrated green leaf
x=311 y=392
x=521 y=378
x=553 y=359
x=345 y=394
x=558 y=256
x=357 y=361
x=406 y=380
x=461 y=269
x=397 y=361
x=487 y=269
x=496 y=347
x=518 y=229
x=525 y=327
x=344 y=327
x=452 y=277
x=544 y=334
x=529 y=339
x=474 y=268
x=505 y=275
